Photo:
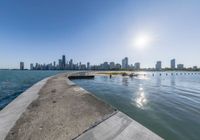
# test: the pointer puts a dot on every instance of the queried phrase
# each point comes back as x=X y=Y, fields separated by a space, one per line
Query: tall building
x=31 y=66
x=137 y=66
x=180 y=66
x=173 y=64
x=88 y=65
x=158 y=65
x=63 y=62
x=112 y=65
x=125 y=63
x=71 y=64
x=21 y=65
x=54 y=64
x=59 y=63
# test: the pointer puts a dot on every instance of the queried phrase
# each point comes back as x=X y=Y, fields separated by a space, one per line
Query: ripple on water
x=14 y=82
x=168 y=104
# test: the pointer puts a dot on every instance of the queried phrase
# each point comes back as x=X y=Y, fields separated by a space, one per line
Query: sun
x=142 y=41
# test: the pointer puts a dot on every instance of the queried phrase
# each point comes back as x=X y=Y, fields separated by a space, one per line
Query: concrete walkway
x=62 y=111
x=12 y=112
x=119 y=127
x=57 y=109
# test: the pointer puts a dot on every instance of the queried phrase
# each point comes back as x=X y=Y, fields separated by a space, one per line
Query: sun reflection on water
x=141 y=99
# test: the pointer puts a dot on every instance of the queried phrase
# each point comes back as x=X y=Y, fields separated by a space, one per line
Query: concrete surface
x=12 y=112
x=62 y=111
x=119 y=127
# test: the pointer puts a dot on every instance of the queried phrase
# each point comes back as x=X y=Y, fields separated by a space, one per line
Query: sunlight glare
x=142 y=41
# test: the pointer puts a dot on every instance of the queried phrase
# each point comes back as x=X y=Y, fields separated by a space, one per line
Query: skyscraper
x=59 y=63
x=54 y=63
x=88 y=65
x=31 y=66
x=112 y=65
x=21 y=65
x=137 y=66
x=125 y=63
x=71 y=64
x=63 y=62
x=173 y=64
x=158 y=65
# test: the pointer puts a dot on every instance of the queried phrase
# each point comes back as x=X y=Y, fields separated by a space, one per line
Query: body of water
x=168 y=103
x=14 y=82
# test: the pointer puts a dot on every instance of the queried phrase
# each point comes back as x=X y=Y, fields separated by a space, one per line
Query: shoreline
x=63 y=110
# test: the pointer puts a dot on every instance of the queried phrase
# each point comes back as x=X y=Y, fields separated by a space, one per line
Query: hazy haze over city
x=97 y=31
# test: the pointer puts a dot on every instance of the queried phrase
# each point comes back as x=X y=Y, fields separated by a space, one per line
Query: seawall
x=12 y=112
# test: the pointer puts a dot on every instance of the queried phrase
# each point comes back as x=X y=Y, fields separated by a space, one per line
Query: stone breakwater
x=57 y=109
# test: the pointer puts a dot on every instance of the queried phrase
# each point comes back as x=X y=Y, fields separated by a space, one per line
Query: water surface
x=168 y=104
x=14 y=82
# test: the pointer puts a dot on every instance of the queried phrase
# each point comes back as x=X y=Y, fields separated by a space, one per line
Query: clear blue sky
x=99 y=30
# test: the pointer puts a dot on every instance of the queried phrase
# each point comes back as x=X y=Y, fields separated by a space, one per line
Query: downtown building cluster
x=63 y=64
x=117 y=66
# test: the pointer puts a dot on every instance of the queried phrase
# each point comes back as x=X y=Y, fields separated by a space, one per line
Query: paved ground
x=12 y=112
x=63 y=111
x=119 y=127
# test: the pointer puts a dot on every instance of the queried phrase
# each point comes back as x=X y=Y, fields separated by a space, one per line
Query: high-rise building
x=59 y=63
x=63 y=62
x=88 y=65
x=173 y=64
x=125 y=63
x=31 y=66
x=71 y=64
x=21 y=65
x=158 y=65
x=180 y=66
x=112 y=65
x=137 y=66
x=54 y=64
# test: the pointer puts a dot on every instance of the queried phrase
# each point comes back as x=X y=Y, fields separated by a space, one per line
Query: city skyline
x=64 y=64
x=98 y=31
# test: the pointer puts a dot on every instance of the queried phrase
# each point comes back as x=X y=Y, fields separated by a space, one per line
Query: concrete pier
x=56 y=108
x=12 y=112
x=81 y=77
x=119 y=127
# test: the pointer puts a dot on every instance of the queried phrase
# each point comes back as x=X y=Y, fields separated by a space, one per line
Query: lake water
x=167 y=104
x=14 y=82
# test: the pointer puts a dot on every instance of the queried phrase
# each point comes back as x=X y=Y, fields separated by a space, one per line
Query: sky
x=145 y=31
